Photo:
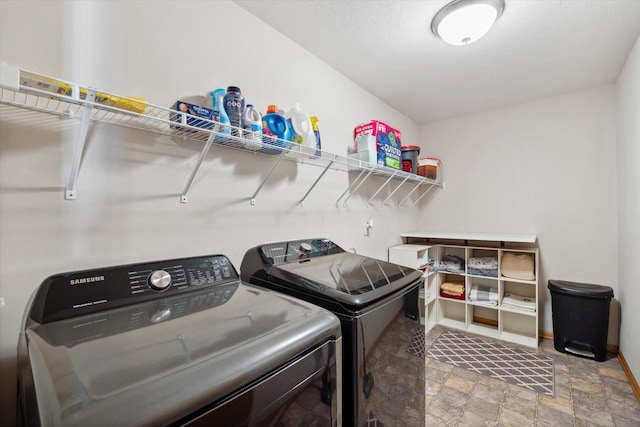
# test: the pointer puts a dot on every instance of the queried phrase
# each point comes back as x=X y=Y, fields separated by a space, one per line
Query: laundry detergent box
x=199 y=112
x=381 y=141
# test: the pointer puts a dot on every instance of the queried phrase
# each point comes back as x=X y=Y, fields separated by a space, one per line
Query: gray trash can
x=580 y=314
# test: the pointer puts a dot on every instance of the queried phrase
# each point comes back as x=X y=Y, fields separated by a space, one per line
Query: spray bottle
x=220 y=115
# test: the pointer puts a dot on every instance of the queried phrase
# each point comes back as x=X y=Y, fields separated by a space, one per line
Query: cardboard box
x=381 y=141
x=194 y=110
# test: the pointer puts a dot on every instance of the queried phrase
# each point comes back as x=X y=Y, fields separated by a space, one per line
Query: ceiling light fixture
x=462 y=22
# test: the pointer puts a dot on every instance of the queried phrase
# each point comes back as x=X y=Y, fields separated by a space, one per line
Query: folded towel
x=487 y=303
x=455 y=294
x=452 y=263
x=483 y=263
x=519 y=301
x=446 y=295
x=453 y=287
x=518 y=266
x=483 y=272
x=518 y=308
x=483 y=293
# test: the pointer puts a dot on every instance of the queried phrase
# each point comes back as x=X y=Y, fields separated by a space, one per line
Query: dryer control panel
x=66 y=295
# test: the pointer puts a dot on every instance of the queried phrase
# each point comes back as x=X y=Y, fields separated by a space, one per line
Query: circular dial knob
x=159 y=280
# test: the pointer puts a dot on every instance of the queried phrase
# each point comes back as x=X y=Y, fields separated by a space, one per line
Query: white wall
x=628 y=96
x=545 y=168
x=128 y=207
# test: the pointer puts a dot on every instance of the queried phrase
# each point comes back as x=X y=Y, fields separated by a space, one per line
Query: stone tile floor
x=587 y=393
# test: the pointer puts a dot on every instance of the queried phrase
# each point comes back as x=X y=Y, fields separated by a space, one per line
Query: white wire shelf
x=28 y=90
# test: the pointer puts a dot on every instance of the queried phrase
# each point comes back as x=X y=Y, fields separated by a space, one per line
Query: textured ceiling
x=537 y=49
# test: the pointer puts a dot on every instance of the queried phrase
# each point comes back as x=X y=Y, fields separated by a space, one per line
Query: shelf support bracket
x=349 y=187
x=185 y=198
x=410 y=193
x=423 y=194
x=71 y=193
x=395 y=189
x=316 y=182
x=344 y=203
x=266 y=178
x=380 y=189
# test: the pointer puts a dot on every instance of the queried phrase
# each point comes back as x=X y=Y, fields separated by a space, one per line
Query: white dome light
x=462 y=22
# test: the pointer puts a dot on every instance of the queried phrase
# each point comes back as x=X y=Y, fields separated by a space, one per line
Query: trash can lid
x=585 y=290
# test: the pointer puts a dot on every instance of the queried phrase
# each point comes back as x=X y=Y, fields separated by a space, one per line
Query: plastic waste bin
x=580 y=314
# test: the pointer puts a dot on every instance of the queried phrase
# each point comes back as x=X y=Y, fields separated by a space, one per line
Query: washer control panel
x=71 y=294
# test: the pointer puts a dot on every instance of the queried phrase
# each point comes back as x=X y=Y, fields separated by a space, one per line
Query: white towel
x=528 y=303
x=517 y=308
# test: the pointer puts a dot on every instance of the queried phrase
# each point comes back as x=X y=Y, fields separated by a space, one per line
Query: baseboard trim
x=485 y=321
x=612 y=348
x=630 y=377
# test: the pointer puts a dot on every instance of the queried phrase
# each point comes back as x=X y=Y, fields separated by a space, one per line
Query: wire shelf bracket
x=71 y=191
x=326 y=168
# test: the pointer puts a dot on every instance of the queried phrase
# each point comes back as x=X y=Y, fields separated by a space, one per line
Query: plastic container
x=275 y=131
x=430 y=168
x=580 y=313
x=252 y=120
x=220 y=115
x=234 y=107
x=301 y=129
x=410 y=155
x=316 y=133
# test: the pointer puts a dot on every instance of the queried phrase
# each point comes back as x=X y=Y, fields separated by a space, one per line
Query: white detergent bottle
x=252 y=120
x=302 y=129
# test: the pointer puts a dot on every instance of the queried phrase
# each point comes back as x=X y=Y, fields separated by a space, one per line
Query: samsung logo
x=86 y=280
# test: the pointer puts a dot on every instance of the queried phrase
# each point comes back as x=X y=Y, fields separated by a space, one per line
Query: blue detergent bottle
x=275 y=131
x=220 y=115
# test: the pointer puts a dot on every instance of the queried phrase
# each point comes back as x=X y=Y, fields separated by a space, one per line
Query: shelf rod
x=273 y=168
x=185 y=198
x=381 y=187
x=349 y=187
x=410 y=193
x=316 y=182
x=423 y=194
x=396 y=189
x=344 y=203
x=71 y=193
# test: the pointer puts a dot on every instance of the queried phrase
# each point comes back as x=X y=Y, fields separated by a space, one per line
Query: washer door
x=306 y=391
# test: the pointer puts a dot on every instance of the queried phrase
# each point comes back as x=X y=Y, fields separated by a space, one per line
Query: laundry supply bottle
x=220 y=115
x=234 y=106
x=253 y=128
x=302 y=131
x=316 y=133
x=275 y=130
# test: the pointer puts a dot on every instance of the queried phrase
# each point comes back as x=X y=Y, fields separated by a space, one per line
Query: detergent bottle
x=220 y=115
x=234 y=106
x=316 y=133
x=275 y=130
x=302 y=131
x=253 y=128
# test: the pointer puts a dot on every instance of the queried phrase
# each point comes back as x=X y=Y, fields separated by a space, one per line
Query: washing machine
x=374 y=300
x=175 y=342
